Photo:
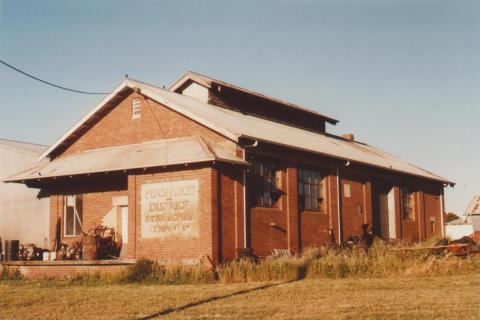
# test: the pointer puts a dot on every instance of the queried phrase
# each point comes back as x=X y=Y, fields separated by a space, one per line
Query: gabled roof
x=158 y=153
x=207 y=82
x=473 y=207
x=235 y=125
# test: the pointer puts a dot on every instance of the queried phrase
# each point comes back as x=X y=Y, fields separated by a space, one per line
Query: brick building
x=207 y=168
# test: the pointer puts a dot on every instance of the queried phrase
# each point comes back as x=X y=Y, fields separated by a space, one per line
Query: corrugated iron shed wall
x=22 y=216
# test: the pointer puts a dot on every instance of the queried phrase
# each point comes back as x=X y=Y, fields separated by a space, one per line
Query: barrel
x=11 y=250
x=89 y=251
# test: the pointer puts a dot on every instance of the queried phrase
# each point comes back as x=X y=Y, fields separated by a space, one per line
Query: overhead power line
x=49 y=83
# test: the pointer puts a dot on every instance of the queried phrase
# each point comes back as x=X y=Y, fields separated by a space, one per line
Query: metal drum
x=11 y=250
x=90 y=251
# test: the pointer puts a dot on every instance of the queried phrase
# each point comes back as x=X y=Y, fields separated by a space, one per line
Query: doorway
x=383 y=218
x=124 y=230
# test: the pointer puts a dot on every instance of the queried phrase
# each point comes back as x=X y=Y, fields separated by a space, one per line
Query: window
x=408 y=204
x=73 y=215
x=266 y=187
x=136 y=108
x=311 y=190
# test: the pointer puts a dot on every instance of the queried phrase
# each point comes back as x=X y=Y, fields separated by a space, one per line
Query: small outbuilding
x=466 y=225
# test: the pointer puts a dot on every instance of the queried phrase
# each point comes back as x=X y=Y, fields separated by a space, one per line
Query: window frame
x=77 y=217
x=266 y=184
x=320 y=189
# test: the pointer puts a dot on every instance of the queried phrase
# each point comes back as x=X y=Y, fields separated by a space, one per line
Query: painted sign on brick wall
x=170 y=210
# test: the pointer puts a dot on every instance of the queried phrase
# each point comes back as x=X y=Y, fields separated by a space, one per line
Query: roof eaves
x=440 y=179
x=36 y=172
x=116 y=170
x=87 y=116
x=190 y=75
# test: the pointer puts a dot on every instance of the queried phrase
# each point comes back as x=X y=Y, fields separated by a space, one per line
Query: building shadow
x=169 y=310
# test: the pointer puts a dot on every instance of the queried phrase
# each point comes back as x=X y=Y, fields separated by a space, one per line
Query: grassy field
x=449 y=297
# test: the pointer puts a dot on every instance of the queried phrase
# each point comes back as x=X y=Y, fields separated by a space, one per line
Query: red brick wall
x=315 y=225
x=116 y=127
x=427 y=207
x=95 y=206
x=56 y=210
x=231 y=222
x=290 y=203
x=268 y=230
x=174 y=249
x=432 y=212
x=356 y=209
x=333 y=204
x=314 y=229
x=271 y=228
x=285 y=227
x=221 y=195
x=157 y=122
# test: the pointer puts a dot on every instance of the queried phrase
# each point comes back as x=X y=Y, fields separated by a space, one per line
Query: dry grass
x=449 y=297
x=379 y=262
x=322 y=283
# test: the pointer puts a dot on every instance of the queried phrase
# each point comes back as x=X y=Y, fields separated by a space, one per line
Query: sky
x=401 y=75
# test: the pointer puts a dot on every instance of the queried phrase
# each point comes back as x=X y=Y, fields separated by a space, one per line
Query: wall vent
x=136 y=109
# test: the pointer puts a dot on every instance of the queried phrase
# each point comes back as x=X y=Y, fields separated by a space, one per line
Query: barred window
x=311 y=190
x=408 y=204
x=73 y=215
x=266 y=184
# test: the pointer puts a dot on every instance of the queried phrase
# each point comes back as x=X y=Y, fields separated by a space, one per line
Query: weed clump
x=148 y=271
x=10 y=273
x=141 y=271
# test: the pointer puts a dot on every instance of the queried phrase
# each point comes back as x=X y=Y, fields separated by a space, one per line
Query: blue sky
x=401 y=75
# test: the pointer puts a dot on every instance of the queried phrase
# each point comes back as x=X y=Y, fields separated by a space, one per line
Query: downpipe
x=253 y=145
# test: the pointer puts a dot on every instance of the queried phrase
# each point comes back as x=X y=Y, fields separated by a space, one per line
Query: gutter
x=439 y=179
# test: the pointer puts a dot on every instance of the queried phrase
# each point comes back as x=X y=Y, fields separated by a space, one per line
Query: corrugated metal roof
x=241 y=125
x=22 y=146
x=474 y=206
x=206 y=81
x=144 y=155
x=235 y=125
